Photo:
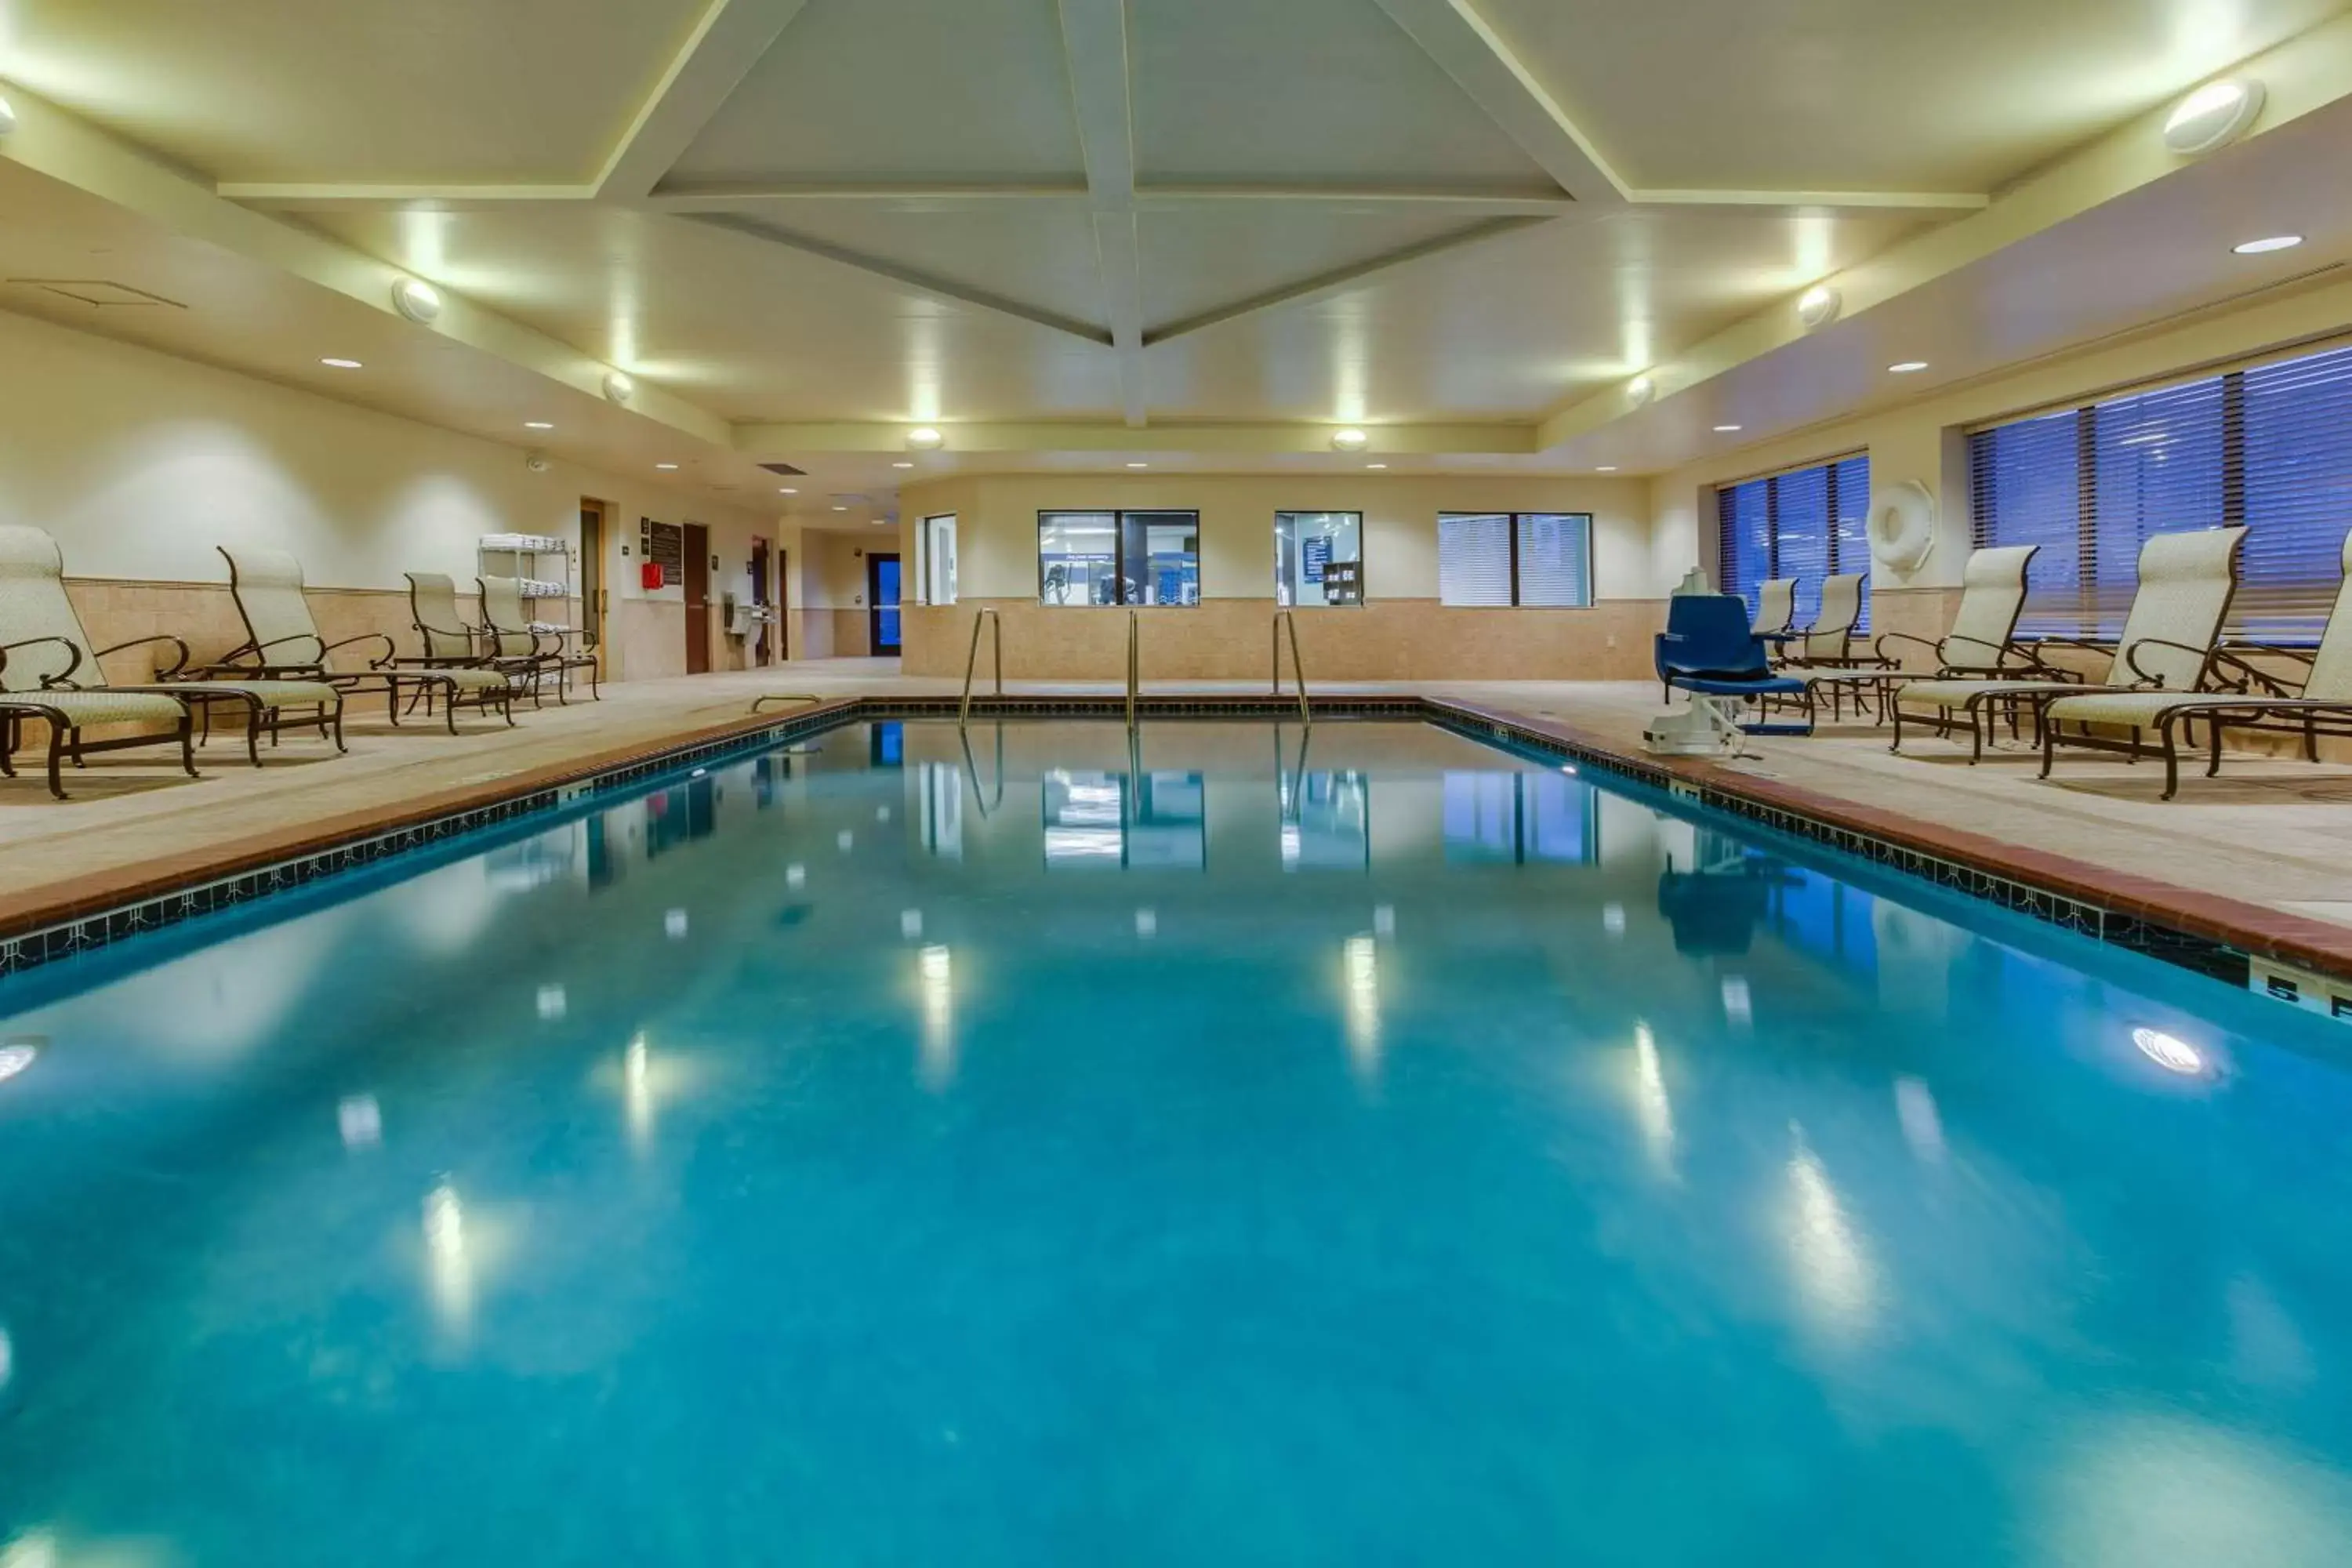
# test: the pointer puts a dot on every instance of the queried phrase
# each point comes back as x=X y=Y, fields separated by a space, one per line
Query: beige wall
x=139 y=464
x=1925 y=441
x=1401 y=633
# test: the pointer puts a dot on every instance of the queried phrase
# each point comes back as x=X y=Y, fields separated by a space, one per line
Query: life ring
x=1902 y=525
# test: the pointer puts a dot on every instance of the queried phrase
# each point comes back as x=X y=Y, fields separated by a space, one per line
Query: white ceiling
x=838 y=216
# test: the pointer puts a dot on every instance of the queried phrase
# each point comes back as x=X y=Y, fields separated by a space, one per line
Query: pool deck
x=2261 y=858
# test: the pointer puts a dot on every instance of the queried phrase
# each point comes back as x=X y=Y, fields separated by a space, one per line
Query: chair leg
x=2213 y=758
x=252 y=730
x=57 y=754
x=188 y=744
x=2171 y=759
x=339 y=728
x=450 y=708
x=2048 y=746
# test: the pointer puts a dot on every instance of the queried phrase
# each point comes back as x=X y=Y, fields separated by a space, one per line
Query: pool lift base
x=1710 y=727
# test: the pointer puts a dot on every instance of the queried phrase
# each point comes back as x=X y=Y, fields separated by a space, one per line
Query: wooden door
x=882 y=604
x=697 y=599
x=591 y=572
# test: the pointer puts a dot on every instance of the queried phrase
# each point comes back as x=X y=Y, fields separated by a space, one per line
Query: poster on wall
x=662 y=545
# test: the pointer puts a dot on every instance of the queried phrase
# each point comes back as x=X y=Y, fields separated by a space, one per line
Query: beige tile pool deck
x=2263 y=852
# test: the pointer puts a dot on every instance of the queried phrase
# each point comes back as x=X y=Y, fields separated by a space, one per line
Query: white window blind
x=1809 y=523
x=1473 y=558
x=1555 y=558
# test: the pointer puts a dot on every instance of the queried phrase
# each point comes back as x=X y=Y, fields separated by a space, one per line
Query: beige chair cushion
x=504 y=610
x=432 y=597
x=268 y=693
x=82 y=708
x=2186 y=582
x=269 y=593
x=2331 y=673
x=1957 y=694
x=2140 y=709
x=470 y=680
x=1992 y=590
x=33 y=604
x=1841 y=608
x=1776 y=604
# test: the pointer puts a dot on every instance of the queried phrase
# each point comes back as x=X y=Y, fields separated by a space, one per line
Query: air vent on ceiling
x=100 y=291
x=785 y=469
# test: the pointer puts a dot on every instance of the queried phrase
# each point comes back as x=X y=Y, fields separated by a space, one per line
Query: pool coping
x=2210 y=932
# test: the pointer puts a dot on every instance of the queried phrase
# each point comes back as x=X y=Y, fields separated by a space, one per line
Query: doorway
x=697 y=599
x=882 y=604
x=591 y=573
x=759 y=599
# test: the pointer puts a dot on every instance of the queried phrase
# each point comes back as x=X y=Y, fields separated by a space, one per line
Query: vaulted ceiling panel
x=899 y=91
x=1306 y=90
x=761 y=332
x=1202 y=257
x=1834 y=95
x=486 y=90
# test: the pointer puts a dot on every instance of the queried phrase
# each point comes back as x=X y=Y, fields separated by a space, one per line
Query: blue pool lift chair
x=1708 y=651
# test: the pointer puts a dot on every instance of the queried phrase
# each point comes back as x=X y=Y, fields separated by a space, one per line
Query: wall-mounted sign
x=663 y=546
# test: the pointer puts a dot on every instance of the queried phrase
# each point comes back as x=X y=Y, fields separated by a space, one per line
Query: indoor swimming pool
x=1362 y=1146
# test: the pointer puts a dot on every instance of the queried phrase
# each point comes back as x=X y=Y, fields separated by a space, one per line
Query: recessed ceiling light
x=787 y=490
x=1350 y=439
x=2265 y=247
x=841 y=509
x=1376 y=465
x=1727 y=429
x=2213 y=116
x=537 y=425
x=902 y=465
x=923 y=438
x=880 y=521
x=1138 y=464
x=665 y=467
x=1818 y=306
x=1605 y=468
x=340 y=363
x=1906 y=366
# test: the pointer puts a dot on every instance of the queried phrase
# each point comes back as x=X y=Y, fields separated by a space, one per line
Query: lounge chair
x=1828 y=641
x=1776 y=607
x=35 y=610
x=1982 y=645
x=2260 y=699
x=2186 y=582
x=449 y=642
x=282 y=641
x=507 y=619
x=67 y=712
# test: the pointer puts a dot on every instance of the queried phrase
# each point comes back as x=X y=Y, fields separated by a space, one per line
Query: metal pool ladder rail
x=1296 y=669
x=972 y=662
x=1134 y=670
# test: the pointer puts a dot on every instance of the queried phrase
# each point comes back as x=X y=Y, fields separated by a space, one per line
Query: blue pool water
x=1403 y=1153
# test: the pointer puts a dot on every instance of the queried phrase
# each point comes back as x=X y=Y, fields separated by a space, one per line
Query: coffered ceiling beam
x=1459 y=40
x=726 y=43
x=1340 y=276
x=913 y=278
x=1094 y=42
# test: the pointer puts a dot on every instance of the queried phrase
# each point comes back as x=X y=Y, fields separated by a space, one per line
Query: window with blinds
x=1809 y=523
x=2269 y=448
x=1529 y=558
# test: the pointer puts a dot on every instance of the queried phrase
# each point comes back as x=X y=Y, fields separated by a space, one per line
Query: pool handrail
x=1281 y=617
x=986 y=613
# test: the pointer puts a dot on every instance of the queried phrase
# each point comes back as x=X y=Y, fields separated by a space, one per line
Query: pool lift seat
x=1709 y=653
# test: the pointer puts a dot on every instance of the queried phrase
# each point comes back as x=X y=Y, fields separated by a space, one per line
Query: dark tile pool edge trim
x=2209 y=933
x=2205 y=932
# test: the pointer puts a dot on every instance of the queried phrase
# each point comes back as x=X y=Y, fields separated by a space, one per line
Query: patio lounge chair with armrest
x=1828 y=640
x=1980 y=646
x=1776 y=608
x=1709 y=651
x=2186 y=582
x=283 y=641
x=2258 y=698
x=507 y=621
x=448 y=641
x=35 y=607
x=26 y=692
